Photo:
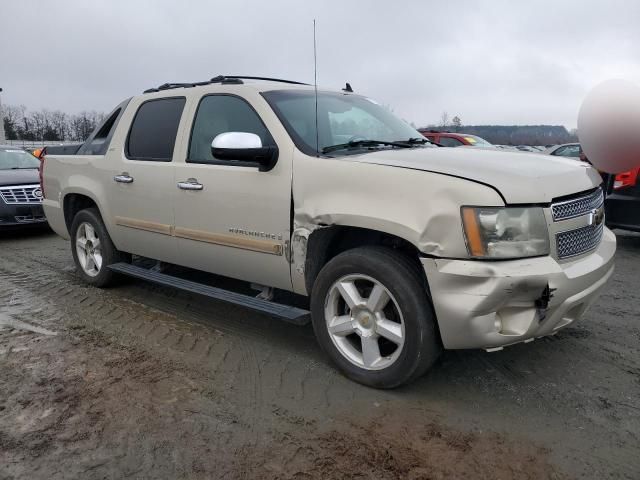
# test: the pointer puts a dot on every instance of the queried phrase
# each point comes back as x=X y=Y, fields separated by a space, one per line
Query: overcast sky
x=493 y=62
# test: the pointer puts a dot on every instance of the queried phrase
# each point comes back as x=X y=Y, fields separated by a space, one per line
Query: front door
x=142 y=182
x=230 y=218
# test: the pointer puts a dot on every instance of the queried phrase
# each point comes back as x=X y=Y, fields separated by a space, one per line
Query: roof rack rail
x=223 y=79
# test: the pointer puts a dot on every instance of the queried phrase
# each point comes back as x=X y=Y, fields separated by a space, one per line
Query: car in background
x=527 y=148
x=572 y=150
x=622 y=205
x=20 y=193
x=450 y=139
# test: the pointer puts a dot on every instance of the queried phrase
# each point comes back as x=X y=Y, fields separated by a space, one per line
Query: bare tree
x=457 y=123
x=46 y=125
x=444 y=119
x=60 y=125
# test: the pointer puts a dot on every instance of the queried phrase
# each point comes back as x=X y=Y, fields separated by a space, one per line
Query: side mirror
x=244 y=147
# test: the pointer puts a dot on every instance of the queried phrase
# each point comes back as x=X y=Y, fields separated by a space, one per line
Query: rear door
x=141 y=178
x=237 y=223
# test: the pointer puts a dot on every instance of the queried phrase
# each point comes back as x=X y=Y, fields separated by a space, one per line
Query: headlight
x=504 y=232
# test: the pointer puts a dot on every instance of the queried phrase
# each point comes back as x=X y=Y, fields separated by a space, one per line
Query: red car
x=449 y=139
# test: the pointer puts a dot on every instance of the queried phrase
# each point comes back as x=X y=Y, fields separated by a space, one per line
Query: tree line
x=47 y=125
x=508 y=134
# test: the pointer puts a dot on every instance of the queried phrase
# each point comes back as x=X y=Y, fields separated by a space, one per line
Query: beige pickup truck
x=400 y=247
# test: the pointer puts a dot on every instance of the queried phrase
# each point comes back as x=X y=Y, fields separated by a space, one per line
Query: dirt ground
x=140 y=381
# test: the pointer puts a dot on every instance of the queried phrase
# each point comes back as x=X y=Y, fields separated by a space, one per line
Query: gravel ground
x=146 y=382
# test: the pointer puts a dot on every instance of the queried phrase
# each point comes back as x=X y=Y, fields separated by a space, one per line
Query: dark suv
x=20 y=193
x=623 y=201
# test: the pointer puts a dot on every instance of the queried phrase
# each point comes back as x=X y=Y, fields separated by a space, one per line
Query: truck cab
x=400 y=247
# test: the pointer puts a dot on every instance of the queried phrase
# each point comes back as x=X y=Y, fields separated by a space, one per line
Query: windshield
x=342 y=119
x=477 y=141
x=17 y=159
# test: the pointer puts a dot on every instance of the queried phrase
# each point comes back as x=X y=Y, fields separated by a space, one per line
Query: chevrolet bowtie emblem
x=596 y=216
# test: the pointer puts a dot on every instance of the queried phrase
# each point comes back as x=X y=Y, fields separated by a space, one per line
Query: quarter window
x=220 y=114
x=154 y=130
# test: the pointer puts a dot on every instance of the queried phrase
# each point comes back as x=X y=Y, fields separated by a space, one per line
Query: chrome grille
x=577 y=206
x=578 y=241
x=30 y=218
x=21 y=194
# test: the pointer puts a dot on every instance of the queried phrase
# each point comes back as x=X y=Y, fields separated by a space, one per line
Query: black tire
x=110 y=254
x=401 y=277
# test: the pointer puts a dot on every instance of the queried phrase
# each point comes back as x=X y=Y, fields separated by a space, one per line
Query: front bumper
x=21 y=215
x=491 y=304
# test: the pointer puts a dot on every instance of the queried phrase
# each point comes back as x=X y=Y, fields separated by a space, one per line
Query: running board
x=287 y=313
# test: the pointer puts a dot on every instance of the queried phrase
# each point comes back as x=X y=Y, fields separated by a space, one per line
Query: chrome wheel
x=88 y=249
x=364 y=322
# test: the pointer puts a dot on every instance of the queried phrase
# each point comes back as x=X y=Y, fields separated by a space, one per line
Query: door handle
x=123 y=178
x=190 y=184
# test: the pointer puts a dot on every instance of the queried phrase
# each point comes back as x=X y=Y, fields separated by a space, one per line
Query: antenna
x=315 y=85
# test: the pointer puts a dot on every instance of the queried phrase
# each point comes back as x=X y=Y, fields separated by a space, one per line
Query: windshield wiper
x=421 y=141
x=364 y=143
x=24 y=168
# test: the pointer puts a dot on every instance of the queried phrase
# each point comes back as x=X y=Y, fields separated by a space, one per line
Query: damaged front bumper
x=491 y=304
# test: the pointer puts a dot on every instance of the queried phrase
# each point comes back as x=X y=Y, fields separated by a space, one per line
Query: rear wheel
x=92 y=249
x=372 y=316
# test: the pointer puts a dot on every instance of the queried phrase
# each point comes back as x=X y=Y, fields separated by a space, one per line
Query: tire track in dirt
x=189 y=312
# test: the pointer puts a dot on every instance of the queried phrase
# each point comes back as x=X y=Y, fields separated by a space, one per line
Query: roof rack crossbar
x=223 y=79
x=268 y=79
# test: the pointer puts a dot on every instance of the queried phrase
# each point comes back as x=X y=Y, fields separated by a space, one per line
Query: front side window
x=154 y=130
x=342 y=118
x=221 y=114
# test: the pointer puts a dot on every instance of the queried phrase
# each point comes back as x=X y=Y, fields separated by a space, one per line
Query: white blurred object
x=2 y=138
x=609 y=126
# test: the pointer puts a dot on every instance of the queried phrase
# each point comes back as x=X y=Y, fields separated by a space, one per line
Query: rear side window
x=220 y=114
x=154 y=130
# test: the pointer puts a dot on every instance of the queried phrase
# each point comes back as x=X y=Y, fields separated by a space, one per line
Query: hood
x=519 y=177
x=19 y=177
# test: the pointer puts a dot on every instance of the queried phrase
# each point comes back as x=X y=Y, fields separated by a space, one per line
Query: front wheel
x=92 y=248
x=372 y=316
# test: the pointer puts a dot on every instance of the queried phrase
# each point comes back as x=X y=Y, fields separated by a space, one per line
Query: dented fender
x=420 y=207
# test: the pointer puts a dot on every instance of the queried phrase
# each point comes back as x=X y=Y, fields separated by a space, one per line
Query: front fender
x=420 y=207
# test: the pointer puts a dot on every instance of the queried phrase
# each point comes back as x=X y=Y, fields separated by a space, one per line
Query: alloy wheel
x=364 y=322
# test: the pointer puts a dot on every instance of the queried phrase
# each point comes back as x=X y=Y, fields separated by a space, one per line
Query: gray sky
x=497 y=62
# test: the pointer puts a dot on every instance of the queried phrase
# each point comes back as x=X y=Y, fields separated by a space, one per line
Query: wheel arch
x=73 y=202
x=325 y=243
